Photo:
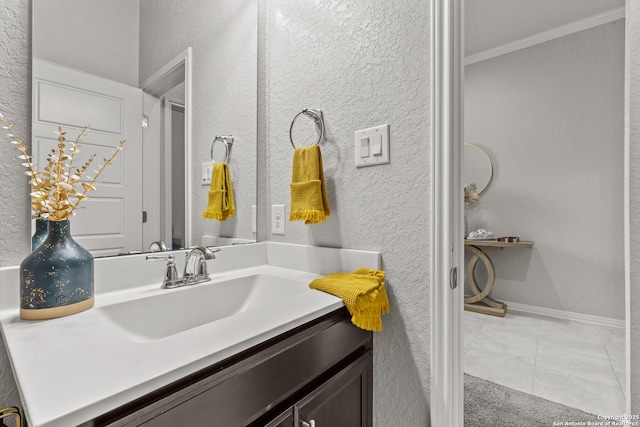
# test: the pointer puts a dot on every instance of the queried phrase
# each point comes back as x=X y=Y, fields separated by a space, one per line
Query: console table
x=481 y=300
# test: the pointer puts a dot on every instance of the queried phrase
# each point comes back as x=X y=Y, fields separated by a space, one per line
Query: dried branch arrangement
x=57 y=190
x=470 y=194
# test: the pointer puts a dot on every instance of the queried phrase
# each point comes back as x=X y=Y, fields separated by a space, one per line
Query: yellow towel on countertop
x=309 y=201
x=221 y=205
x=363 y=293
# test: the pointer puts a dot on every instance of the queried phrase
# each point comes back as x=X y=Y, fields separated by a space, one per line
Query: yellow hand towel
x=363 y=293
x=309 y=201
x=221 y=205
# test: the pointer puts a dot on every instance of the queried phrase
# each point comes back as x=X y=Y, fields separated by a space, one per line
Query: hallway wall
x=551 y=117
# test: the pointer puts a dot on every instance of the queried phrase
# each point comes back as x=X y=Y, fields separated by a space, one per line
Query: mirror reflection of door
x=110 y=221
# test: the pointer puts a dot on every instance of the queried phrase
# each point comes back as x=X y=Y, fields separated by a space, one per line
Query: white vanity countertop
x=73 y=369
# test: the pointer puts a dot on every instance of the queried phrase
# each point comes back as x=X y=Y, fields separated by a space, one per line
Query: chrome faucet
x=195 y=267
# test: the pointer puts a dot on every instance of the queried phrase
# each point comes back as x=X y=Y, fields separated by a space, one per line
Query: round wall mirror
x=477 y=167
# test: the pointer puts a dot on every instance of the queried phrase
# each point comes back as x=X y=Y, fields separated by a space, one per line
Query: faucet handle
x=171 y=278
x=214 y=250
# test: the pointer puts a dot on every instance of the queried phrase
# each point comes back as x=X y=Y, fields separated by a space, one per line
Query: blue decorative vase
x=56 y=279
x=42 y=229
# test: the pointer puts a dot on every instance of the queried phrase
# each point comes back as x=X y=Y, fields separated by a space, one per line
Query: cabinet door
x=345 y=400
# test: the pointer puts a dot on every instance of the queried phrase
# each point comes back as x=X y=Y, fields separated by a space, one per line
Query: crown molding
x=564 y=30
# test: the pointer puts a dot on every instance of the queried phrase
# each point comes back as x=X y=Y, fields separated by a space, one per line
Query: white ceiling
x=493 y=23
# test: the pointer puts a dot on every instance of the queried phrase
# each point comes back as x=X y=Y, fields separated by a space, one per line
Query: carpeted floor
x=487 y=404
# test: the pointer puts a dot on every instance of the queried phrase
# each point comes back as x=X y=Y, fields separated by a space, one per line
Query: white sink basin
x=177 y=310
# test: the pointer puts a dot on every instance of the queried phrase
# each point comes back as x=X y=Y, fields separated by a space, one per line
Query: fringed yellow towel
x=309 y=201
x=221 y=205
x=363 y=293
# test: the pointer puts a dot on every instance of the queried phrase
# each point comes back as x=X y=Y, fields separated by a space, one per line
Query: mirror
x=190 y=69
x=477 y=167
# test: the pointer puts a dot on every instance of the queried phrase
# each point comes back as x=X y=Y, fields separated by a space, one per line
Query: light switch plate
x=376 y=152
x=254 y=219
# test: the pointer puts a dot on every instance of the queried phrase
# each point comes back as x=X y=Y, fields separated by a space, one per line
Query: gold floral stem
x=14 y=137
x=75 y=149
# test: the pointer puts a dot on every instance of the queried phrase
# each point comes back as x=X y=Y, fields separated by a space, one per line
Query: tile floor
x=573 y=363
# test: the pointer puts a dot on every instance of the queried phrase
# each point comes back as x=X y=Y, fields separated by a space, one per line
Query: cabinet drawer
x=241 y=392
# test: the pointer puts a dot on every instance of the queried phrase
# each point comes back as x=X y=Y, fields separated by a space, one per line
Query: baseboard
x=567 y=315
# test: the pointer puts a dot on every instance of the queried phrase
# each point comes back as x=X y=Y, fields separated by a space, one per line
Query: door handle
x=311 y=423
x=453 y=278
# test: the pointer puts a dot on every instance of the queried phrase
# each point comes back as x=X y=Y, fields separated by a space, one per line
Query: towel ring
x=317 y=117
x=227 y=140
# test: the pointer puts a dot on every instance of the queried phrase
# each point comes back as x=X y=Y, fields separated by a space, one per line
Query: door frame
x=628 y=290
x=176 y=71
x=166 y=199
x=447 y=71
x=447 y=119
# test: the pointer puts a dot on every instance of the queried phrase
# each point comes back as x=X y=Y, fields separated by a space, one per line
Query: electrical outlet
x=207 y=170
x=277 y=219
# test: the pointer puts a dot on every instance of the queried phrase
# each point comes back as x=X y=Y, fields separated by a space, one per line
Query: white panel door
x=110 y=222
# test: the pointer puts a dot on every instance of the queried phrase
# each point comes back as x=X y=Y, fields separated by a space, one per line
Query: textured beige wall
x=364 y=63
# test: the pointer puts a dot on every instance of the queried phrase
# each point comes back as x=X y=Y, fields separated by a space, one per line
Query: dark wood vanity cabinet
x=319 y=374
x=344 y=400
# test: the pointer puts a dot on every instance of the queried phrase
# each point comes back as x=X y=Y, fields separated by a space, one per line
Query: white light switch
x=372 y=146
x=376 y=145
x=364 y=147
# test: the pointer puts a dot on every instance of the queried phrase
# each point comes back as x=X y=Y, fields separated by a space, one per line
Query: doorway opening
x=545 y=100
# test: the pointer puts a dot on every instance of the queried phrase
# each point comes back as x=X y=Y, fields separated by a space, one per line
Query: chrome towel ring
x=227 y=140
x=317 y=117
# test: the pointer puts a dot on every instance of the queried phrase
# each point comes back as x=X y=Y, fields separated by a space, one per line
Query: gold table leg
x=481 y=300
x=10 y=412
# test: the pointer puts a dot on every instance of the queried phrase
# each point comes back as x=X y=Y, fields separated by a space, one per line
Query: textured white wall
x=552 y=119
x=15 y=102
x=364 y=63
x=96 y=36
x=633 y=160
x=223 y=36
